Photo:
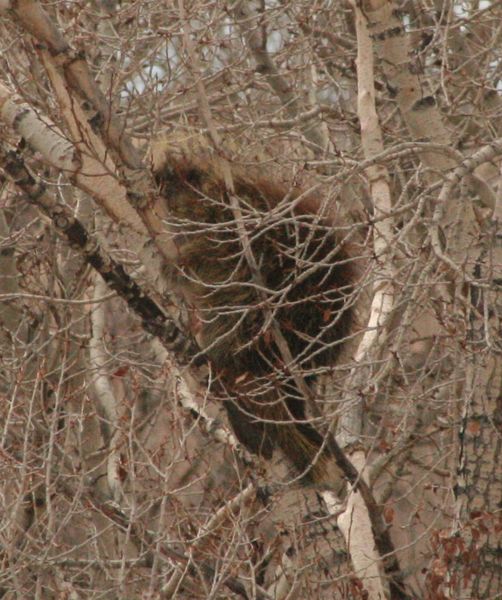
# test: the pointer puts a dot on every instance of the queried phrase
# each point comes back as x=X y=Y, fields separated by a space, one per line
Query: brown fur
x=308 y=278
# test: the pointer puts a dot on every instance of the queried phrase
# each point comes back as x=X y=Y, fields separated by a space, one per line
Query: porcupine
x=305 y=288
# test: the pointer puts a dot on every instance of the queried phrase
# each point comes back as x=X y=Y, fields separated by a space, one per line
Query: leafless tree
x=120 y=475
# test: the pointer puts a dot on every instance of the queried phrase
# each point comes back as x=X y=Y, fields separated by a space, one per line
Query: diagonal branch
x=155 y=321
x=31 y=15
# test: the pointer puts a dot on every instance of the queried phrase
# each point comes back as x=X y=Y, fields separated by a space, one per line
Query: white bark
x=106 y=398
x=355 y=521
x=355 y=525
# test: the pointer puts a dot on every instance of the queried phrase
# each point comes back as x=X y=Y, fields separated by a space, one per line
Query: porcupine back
x=307 y=279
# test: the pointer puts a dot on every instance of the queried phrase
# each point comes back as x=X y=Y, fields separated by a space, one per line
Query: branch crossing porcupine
x=304 y=291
